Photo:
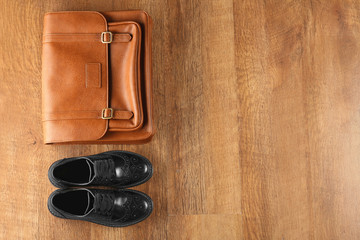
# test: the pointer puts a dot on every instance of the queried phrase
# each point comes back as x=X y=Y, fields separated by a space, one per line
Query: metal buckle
x=111 y=113
x=103 y=37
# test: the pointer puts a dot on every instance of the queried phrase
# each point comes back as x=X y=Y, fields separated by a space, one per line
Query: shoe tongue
x=103 y=203
x=91 y=170
x=103 y=168
x=90 y=204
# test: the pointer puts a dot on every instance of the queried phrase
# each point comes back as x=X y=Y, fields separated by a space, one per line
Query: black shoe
x=112 y=208
x=115 y=168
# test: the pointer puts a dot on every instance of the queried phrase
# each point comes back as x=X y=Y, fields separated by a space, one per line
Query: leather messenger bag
x=96 y=77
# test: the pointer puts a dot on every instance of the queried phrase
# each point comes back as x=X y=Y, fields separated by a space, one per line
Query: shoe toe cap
x=141 y=208
x=140 y=168
x=143 y=171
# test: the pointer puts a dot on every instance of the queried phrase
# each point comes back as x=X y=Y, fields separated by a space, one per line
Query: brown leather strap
x=77 y=115
x=84 y=37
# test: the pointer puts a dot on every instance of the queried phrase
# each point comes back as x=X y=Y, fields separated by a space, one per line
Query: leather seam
x=94 y=141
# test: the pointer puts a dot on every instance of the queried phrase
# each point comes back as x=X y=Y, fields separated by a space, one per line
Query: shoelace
x=103 y=204
x=104 y=170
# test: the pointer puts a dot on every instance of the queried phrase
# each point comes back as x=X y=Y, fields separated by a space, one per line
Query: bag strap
x=106 y=113
x=87 y=37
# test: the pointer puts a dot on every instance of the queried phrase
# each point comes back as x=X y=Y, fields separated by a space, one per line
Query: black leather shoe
x=115 y=168
x=112 y=208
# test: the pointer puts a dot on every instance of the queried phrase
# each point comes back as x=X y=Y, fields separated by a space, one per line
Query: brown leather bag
x=96 y=77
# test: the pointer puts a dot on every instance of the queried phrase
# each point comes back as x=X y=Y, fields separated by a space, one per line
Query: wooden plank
x=297 y=64
x=207 y=226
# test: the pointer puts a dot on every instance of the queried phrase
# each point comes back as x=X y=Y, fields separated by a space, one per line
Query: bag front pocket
x=124 y=76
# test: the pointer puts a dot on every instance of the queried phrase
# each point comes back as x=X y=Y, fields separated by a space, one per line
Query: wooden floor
x=257 y=108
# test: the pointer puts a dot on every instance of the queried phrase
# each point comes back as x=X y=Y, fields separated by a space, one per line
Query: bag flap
x=74 y=77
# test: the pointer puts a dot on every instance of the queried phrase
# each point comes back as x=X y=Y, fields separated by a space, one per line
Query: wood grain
x=257 y=108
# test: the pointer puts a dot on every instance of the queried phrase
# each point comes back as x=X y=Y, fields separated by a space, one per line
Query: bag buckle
x=105 y=113
x=105 y=39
